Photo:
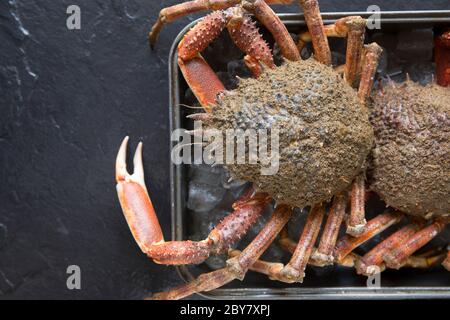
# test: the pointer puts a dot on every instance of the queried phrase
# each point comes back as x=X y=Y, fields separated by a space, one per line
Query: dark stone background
x=67 y=99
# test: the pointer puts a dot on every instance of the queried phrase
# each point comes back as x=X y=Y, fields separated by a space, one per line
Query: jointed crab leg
x=319 y=39
x=420 y=262
x=200 y=77
x=324 y=253
x=372 y=262
x=375 y=226
x=202 y=80
x=371 y=56
x=294 y=271
x=174 y=12
x=276 y=27
x=442 y=58
x=272 y=269
x=446 y=262
x=357 y=221
x=245 y=35
x=352 y=27
x=355 y=41
x=398 y=256
x=237 y=266
x=144 y=225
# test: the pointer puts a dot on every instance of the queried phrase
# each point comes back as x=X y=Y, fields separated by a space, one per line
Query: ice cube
x=204 y=196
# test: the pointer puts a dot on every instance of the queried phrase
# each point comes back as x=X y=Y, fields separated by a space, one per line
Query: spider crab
x=344 y=181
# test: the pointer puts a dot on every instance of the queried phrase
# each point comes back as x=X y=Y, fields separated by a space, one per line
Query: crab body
x=324 y=131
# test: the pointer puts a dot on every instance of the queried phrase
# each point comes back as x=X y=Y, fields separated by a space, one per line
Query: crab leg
x=254 y=66
x=372 y=262
x=399 y=255
x=272 y=269
x=442 y=58
x=237 y=266
x=202 y=80
x=419 y=262
x=246 y=36
x=200 y=77
x=352 y=27
x=276 y=27
x=172 y=13
x=324 y=254
x=294 y=271
x=446 y=262
x=315 y=25
x=177 y=11
x=375 y=226
x=286 y=242
x=357 y=221
x=355 y=46
x=371 y=56
x=143 y=222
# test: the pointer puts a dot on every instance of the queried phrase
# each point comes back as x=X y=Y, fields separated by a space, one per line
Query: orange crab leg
x=371 y=56
x=202 y=34
x=419 y=262
x=254 y=66
x=177 y=11
x=352 y=27
x=273 y=269
x=446 y=262
x=355 y=47
x=294 y=271
x=246 y=36
x=324 y=253
x=399 y=255
x=237 y=266
x=375 y=226
x=202 y=80
x=276 y=27
x=442 y=58
x=319 y=39
x=172 y=13
x=143 y=222
x=372 y=262
x=357 y=221
x=200 y=77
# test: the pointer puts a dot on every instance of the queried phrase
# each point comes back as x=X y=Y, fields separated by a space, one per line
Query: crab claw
x=143 y=222
x=134 y=200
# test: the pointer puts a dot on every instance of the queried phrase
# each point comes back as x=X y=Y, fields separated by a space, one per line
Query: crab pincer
x=146 y=230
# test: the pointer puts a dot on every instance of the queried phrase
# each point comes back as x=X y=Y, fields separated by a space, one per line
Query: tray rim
x=324 y=293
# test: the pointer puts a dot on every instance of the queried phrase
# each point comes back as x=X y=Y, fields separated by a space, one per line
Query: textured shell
x=325 y=133
x=411 y=160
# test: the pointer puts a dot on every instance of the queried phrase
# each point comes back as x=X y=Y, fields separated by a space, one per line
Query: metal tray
x=344 y=284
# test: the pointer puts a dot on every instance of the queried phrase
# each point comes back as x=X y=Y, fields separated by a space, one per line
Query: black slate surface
x=67 y=99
